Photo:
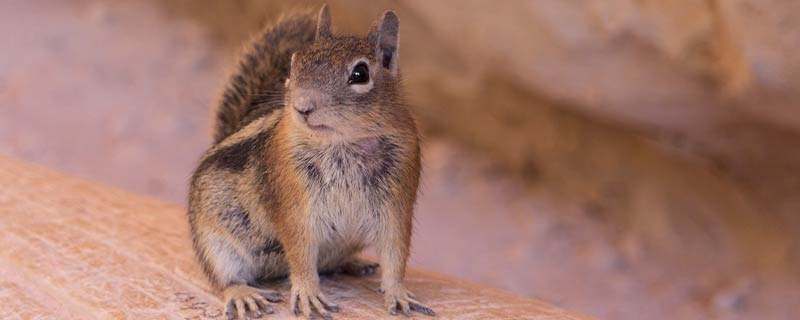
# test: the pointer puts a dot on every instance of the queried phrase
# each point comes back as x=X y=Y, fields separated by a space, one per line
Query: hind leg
x=359 y=267
x=233 y=270
x=239 y=294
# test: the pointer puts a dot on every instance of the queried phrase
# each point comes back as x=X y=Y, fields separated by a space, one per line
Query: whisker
x=267 y=101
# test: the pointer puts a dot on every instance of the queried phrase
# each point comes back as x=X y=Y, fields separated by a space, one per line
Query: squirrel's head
x=347 y=87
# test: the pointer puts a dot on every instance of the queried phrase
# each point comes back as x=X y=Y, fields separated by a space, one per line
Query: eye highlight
x=359 y=75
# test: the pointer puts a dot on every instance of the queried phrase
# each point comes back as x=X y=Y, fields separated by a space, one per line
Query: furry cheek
x=362 y=88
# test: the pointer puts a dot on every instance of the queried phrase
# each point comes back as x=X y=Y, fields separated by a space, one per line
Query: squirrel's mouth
x=319 y=128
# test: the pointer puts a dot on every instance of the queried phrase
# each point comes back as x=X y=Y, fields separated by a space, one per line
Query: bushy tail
x=256 y=87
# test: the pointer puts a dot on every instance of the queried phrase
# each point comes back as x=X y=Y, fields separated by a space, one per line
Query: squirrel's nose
x=305 y=111
x=306 y=101
x=305 y=107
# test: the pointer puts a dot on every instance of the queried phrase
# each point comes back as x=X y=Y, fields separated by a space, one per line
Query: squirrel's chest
x=349 y=173
x=349 y=192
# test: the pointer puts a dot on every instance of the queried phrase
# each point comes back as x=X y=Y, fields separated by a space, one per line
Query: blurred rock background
x=624 y=159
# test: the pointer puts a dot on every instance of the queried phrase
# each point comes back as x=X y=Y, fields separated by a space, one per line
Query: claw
x=402 y=300
x=271 y=296
x=229 y=308
x=327 y=305
x=263 y=304
x=240 y=310
x=333 y=308
x=422 y=309
x=406 y=309
x=295 y=305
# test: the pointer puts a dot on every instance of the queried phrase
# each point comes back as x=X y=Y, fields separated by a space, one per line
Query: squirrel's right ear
x=386 y=37
x=323 y=22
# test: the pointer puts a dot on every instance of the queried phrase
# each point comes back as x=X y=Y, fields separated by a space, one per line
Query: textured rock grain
x=78 y=250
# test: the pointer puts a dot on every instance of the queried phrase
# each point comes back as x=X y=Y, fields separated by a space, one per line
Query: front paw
x=307 y=296
x=401 y=299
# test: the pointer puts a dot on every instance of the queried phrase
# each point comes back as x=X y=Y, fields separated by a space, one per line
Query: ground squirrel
x=316 y=156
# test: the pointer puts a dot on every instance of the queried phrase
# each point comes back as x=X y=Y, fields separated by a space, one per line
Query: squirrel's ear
x=323 y=22
x=386 y=35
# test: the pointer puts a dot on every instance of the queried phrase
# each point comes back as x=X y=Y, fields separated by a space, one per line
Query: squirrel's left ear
x=386 y=35
x=323 y=22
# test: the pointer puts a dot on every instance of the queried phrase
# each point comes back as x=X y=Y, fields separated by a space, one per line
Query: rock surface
x=71 y=249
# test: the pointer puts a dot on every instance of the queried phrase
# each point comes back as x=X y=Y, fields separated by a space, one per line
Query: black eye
x=360 y=74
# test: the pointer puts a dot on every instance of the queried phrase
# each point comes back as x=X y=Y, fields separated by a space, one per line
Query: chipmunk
x=315 y=157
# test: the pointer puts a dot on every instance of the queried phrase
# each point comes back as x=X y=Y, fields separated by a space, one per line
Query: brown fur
x=300 y=183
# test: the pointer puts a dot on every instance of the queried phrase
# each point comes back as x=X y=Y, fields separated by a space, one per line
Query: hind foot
x=359 y=268
x=239 y=299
